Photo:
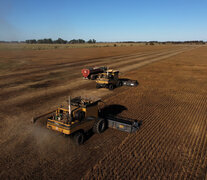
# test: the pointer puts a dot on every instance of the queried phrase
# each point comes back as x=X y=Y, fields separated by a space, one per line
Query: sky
x=104 y=20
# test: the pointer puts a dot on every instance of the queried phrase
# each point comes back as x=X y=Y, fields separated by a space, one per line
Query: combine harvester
x=84 y=114
x=107 y=78
x=110 y=79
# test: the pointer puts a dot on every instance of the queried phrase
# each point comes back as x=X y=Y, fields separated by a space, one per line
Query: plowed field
x=170 y=100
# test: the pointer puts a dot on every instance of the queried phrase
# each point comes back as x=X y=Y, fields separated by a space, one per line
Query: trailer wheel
x=99 y=126
x=78 y=138
x=111 y=87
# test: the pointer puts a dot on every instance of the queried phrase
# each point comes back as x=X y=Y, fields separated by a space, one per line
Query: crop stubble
x=170 y=143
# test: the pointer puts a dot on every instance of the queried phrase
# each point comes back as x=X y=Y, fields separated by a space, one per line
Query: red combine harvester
x=92 y=72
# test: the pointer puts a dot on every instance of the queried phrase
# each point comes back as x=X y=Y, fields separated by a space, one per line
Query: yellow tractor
x=82 y=115
x=108 y=79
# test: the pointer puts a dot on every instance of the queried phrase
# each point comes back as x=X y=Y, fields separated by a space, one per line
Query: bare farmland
x=170 y=100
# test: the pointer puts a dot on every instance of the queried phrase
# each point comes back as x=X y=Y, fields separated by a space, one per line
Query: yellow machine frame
x=110 y=77
x=83 y=115
x=65 y=126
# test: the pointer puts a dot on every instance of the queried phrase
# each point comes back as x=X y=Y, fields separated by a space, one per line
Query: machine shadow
x=112 y=110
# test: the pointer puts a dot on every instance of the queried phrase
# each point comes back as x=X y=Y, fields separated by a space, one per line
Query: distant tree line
x=81 y=41
x=12 y=41
x=164 y=42
x=185 y=42
x=59 y=41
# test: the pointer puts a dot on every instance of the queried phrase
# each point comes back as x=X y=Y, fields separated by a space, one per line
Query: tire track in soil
x=83 y=61
x=174 y=144
x=123 y=150
x=48 y=164
x=20 y=89
x=42 y=70
x=196 y=119
x=57 y=165
x=14 y=83
x=76 y=65
x=148 y=140
x=168 y=142
x=192 y=144
x=66 y=88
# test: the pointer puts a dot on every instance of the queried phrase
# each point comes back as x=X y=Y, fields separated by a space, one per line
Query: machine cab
x=109 y=74
x=81 y=111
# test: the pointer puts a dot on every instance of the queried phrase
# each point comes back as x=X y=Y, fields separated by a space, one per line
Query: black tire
x=78 y=138
x=119 y=83
x=99 y=126
x=93 y=77
x=79 y=115
x=111 y=86
x=97 y=86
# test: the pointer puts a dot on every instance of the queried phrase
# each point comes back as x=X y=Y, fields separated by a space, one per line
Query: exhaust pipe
x=69 y=109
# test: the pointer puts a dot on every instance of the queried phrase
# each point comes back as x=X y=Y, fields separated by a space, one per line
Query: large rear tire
x=79 y=115
x=97 y=86
x=78 y=138
x=111 y=86
x=99 y=126
x=93 y=77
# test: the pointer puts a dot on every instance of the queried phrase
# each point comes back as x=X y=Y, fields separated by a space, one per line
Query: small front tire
x=78 y=138
x=111 y=87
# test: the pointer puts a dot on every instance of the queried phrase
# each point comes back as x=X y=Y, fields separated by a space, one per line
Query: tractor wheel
x=119 y=83
x=99 y=126
x=79 y=115
x=78 y=138
x=111 y=86
x=97 y=86
x=93 y=77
